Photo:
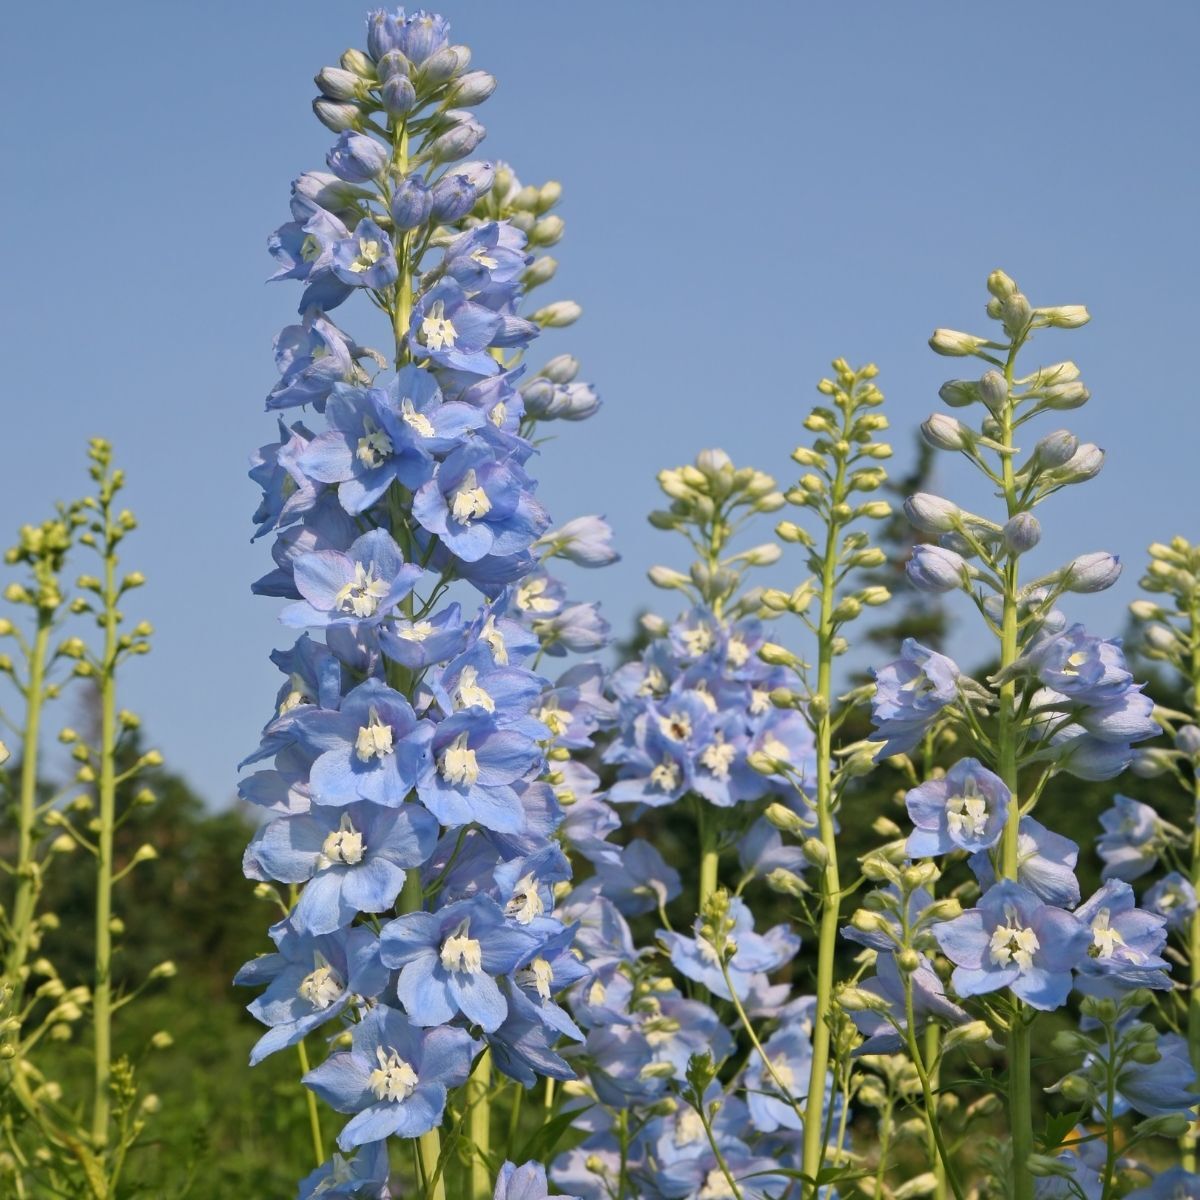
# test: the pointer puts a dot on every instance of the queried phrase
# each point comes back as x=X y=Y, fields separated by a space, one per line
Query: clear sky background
x=750 y=190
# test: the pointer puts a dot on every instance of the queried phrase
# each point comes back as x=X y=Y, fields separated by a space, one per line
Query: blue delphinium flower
x=1175 y=1183
x=394 y=1077
x=1045 y=864
x=1173 y=898
x=352 y=858
x=909 y=695
x=1132 y=839
x=449 y=961
x=1014 y=940
x=964 y=810
x=365 y=1174
x=1126 y=941
x=310 y=980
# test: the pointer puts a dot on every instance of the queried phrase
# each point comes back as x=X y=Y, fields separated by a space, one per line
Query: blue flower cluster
x=408 y=809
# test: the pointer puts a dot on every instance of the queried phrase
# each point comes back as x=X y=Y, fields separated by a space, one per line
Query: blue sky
x=750 y=190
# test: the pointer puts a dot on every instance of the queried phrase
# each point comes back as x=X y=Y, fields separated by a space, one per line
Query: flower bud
x=338 y=115
x=547 y=231
x=932 y=514
x=472 y=88
x=1085 y=463
x=357 y=158
x=1022 y=533
x=953 y=344
x=936 y=569
x=908 y=960
x=852 y=999
x=777 y=656
x=540 y=271
x=1064 y=316
x=453 y=196
x=958 y=393
x=558 y=315
x=784 y=819
x=786 y=883
x=339 y=84
x=665 y=577
x=1065 y=396
x=815 y=851
x=1091 y=572
x=1187 y=739
x=1055 y=449
x=944 y=432
x=993 y=391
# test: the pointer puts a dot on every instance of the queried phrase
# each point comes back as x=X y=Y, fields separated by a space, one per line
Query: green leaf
x=545 y=1141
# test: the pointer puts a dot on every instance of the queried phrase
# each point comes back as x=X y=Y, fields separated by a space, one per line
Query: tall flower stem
x=102 y=1008
x=478 y=1093
x=429 y=1145
x=1020 y=1101
x=814 y=1123
x=28 y=886
x=933 y=1037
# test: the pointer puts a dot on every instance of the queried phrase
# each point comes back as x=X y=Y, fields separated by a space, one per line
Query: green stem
x=1110 y=1121
x=932 y=1124
x=28 y=877
x=814 y=1124
x=429 y=1145
x=1020 y=1098
x=107 y=797
x=933 y=1037
x=478 y=1096
x=314 y=1115
x=735 y=1191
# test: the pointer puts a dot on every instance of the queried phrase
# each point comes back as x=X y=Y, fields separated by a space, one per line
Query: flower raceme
x=403 y=771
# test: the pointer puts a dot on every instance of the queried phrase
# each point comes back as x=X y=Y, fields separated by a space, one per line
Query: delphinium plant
x=54 y=1145
x=1061 y=702
x=411 y=821
x=705 y=1075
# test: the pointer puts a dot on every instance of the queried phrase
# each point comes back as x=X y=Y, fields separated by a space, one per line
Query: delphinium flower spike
x=1060 y=702
x=406 y=768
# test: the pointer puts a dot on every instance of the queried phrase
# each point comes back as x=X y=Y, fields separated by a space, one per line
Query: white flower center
x=718 y=756
x=783 y=1073
x=361 y=596
x=374 y=739
x=597 y=993
x=469 y=501
x=457 y=764
x=417 y=632
x=418 y=422
x=678 y=726
x=738 y=652
x=499 y=413
x=531 y=597
x=495 y=640
x=689 y=1127
x=665 y=776
x=322 y=987
x=760 y=700
x=1011 y=943
x=557 y=720
x=296 y=697
x=1105 y=939
x=374 y=447
x=468 y=693
x=541 y=975
x=393 y=1079
x=716 y=1187
x=705 y=697
x=697 y=641
x=967 y=814
x=436 y=329
x=310 y=248
x=654 y=684
x=462 y=953
x=775 y=748
x=483 y=258
x=526 y=902
x=369 y=253
x=344 y=845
